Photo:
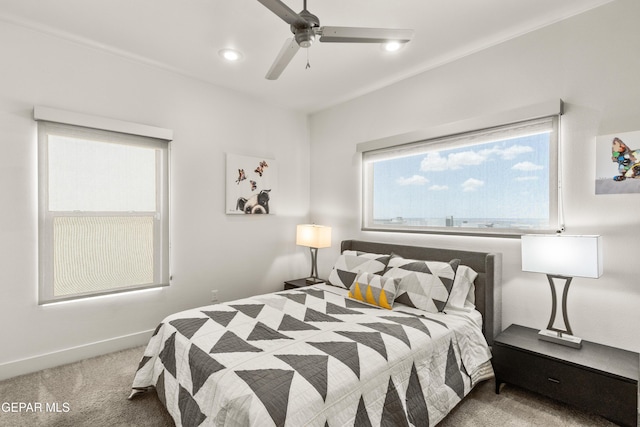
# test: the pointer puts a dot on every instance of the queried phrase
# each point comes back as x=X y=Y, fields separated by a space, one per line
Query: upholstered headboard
x=487 y=265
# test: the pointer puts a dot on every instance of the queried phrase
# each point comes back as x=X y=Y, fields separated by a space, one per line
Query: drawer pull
x=553 y=380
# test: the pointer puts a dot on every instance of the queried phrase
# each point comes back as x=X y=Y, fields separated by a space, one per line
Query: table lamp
x=315 y=237
x=561 y=257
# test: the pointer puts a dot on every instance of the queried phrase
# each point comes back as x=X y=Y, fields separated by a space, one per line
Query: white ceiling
x=185 y=35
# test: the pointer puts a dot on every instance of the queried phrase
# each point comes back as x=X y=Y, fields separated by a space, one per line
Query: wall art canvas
x=251 y=185
x=618 y=163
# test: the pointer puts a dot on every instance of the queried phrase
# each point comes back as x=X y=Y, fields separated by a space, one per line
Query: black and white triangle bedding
x=312 y=357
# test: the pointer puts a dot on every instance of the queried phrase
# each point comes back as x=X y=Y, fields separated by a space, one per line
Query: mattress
x=312 y=357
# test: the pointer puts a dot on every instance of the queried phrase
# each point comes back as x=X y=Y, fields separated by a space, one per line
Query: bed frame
x=487 y=265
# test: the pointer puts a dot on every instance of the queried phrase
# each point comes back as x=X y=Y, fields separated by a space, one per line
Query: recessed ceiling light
x=391 y=46
x=230 y=55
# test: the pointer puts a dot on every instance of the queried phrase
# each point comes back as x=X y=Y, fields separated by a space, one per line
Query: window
x=495 y=181
x=103 y=199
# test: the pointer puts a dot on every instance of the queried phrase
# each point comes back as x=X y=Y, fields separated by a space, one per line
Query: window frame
x=432 y=140
x=143 y=136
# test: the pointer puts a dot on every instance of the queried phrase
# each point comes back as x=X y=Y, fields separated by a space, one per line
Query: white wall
x=239 y=255
x=590 y=61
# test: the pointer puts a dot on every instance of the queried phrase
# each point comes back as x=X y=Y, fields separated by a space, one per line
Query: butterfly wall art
x=251 y=185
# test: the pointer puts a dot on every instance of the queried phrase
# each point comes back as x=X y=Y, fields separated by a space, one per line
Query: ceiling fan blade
x=283 y=11
x=288 y=51
x=364 y=35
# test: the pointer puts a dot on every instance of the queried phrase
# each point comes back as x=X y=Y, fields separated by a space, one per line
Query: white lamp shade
x=313 y=236
x=563 y=255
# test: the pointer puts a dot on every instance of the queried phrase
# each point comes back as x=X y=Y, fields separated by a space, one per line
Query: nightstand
x=297 y=283
x=596 y=378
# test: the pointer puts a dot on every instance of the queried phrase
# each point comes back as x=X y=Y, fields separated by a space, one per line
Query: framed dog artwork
x=251 y=184
x=618 y=163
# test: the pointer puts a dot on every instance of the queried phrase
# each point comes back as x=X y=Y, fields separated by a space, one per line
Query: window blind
x=103 y=211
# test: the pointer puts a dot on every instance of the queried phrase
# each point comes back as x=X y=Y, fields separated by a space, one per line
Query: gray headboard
x=487 y=265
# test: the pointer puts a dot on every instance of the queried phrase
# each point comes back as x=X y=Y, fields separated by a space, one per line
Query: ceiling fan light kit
x=305 y=37
x=305 y=27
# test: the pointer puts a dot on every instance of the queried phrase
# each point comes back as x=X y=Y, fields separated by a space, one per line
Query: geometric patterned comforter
x=311 y=357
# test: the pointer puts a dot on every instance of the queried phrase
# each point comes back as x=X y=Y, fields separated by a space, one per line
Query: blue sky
x=503 y=179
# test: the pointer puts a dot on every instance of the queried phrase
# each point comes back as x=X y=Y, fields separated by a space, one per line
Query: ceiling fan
x=305 y=27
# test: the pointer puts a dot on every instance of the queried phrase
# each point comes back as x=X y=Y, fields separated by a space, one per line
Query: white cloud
x=527 y=166
x=513 y=151
x=414 y=180
x=527 y=178
x=436 y=187
x=435 y=162
x=472 y=184
x=465 y=158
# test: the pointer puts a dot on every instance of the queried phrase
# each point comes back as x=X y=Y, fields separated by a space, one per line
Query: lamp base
x=560 y=338
x=313 y=280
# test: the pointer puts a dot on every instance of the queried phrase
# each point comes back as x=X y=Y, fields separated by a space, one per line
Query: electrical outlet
x=214 y=295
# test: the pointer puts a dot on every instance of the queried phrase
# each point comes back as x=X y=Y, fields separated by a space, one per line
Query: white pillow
x=424 y=284
x=350 y=263
x=462 y=293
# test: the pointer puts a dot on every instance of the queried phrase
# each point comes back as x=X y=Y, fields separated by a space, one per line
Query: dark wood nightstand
x=297 y=283
x=596 y=378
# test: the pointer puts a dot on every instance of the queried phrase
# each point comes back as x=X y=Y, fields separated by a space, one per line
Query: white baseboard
x=73 y=354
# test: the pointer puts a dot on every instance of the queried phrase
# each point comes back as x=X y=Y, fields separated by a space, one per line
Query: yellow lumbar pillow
x=378 y=290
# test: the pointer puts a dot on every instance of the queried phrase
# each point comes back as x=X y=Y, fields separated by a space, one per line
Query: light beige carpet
x=94 y=393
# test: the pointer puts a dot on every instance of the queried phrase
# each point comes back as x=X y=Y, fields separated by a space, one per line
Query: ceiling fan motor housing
x=305 y=34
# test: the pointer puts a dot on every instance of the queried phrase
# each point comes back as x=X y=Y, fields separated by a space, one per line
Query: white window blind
x=104 y=223
x=467 y=139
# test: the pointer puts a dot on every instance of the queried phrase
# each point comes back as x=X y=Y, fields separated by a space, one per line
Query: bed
x=334 y=354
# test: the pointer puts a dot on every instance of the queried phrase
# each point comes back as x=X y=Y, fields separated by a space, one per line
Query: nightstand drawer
x=614 y=398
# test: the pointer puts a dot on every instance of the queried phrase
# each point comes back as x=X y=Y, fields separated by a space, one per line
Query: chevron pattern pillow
x=374 y=289
x=350 y=263
x=425 y=285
